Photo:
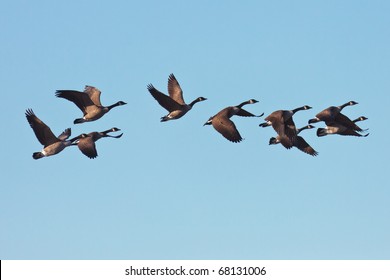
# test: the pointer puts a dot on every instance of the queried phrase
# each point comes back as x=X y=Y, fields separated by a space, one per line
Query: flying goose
x=299 y=142
x=333 y=115
x=51 y=144
x=276 y=140
x=87 y=144
x=174 y=103
x=222 y=123
x=333 y=127
x=88 y=102
x=282 y=122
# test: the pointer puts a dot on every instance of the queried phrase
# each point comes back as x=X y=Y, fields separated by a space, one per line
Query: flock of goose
x=88 y=101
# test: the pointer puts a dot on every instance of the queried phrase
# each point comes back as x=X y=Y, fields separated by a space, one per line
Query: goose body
x=334 y=127
x=51 y=144
x=282 y=122
x=87 y=144
x=299 y=142
x=222 y=123
x=333 y=117
x=174 y=103
x=88 y=102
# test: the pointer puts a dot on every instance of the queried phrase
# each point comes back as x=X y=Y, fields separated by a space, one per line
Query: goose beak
x=263 y=125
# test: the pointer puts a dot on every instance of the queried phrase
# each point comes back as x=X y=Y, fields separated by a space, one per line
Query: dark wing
x=301 y=144
x=94 y=94
x=87 y=147
x=42 y=131
x=174 y=90
x=328 y=114
x=244 y=113
x=285 y=141
x=345 y=121
x=164 y=100
x=65 y=135
x=276 y=119
x=226 y=127
x=351 y=132
x=81 y=99
x=290 y=130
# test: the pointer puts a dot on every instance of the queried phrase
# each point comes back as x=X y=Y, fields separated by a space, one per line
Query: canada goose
x=299 y=142
x=282 y=122
x=333 y=127
x=87 y=144
x=222 y=123
x=174 y=103
x=51 y=144
x=333 y=115
x=88 y=102
x=276 y=140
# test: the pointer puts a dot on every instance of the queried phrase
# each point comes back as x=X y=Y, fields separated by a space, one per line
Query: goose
x=282 y=122
x=174 y=103
x=276 y=140
x=88 y=102
x=87 y=144
x=333 y=127
x=222 y=123
x=299 y=142
x=51 y=144
x=333 y=115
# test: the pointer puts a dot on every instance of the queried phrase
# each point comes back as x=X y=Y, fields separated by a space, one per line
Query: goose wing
x=94 y=94
x=285 y=141
x=325 y=114
x=164 y=100
x=226 y=127
x=87 y=147
x=174 y=90
x=290 y=130
x=43 y=133
x=277 y=122
x=244 y=113
x=65 y=135
x=301 y=144
x=345 y=121
x=81 y=99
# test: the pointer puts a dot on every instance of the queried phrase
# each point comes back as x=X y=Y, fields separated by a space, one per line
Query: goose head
x=252 y=101
x=199 y=99
x=265 y=124
x=273 y=141
x=119 y=103
x=314 y=120
x=351 y=103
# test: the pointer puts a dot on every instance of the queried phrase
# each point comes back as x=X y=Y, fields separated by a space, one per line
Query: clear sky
x=179 y=190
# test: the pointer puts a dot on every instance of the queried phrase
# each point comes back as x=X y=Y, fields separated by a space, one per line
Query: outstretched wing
x=174 y=90
x=43 y=133
x=65 y=135
x=345 y=121
x=94 y=94
x=164 y=100
x=301 y=144
x=226 y=127
x=87 y=147
x=244 y=113
x=81 y=99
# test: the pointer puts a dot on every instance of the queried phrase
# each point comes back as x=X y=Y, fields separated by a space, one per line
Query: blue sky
x=179 y=190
